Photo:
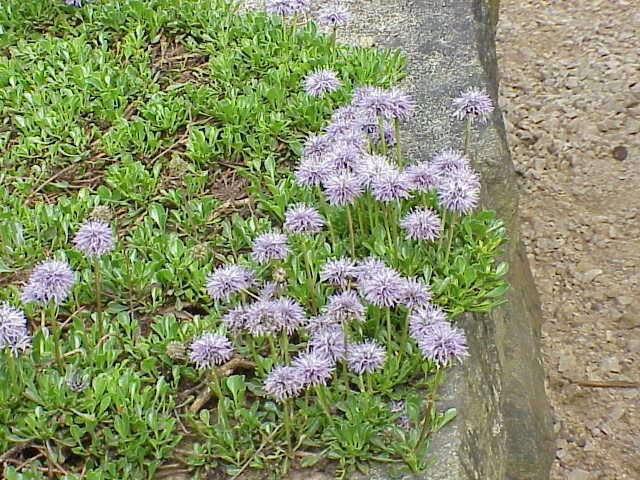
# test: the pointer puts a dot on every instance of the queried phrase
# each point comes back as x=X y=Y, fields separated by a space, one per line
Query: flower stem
x=467 y=135
x=310 y=277
x=222 y=415
x=383 y=143
x=351 y=234
x=324 y=404
x=96 y=268
x=452 y=227
x=396 y=127
x=287 y=425
x=284 y=344
x=389 y=330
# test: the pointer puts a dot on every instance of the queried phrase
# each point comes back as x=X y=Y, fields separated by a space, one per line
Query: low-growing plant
x=222 y=258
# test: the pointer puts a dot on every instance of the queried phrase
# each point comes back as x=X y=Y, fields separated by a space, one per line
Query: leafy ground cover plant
x=215 y=254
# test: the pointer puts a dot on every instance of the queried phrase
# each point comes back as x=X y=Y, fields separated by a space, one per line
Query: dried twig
x=605 y=384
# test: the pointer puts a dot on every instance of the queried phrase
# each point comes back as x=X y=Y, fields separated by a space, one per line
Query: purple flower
x=228 y=279
x=344 y=155
x=345 y=306
x=286 y=7
x=375 y=100
x=342 y=188
x=474 y=104
x=346 y=113
x=423 y=176
x=441 y=342
x=420 y=319
x=400 y=104
x=314 y=367
x=391 y=186
x=370 y=167
x=303 y=219
x=270 y=246
x=338 y=271
x=449 y=160
x=261 y=318
x=320 y=81
x=235 y=319
x=210 y=349
x=367 y=267
x=50 y=280
x=73 y=3
x=459 y=195
x=289 y=314
x=329 y=342
x=94 y=238
x=284 y=382
x=340 y=128
x=382 y=287
x=361 y=93
x=13 y=329
x=312 y=171
x=415 y=293
x=319 y=322
x=315 y=145
x=269 y=290
x=333 y=15
x=421 y=224
x=365 y=357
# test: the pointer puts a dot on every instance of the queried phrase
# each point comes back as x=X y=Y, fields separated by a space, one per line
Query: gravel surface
x=570 y=92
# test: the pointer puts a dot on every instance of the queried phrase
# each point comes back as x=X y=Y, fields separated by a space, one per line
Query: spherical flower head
x=176 y=350
x=260 y=318
x=286 y=7
x=314 y=367
x=94 y=238
x=284 y=382
x=422 y=318
x=344 y=155
x=415 y=293
x=401 y=104
x=289 y=314
x=333 y=15
x=474 y=104
x=269 y=290
x=346 y=113
x=342 y=188
x=369 y=167
x=316 y=145
x=338 y=271
x=319 y=322
x=367 y=357
x=76 y=382
x=209 y=350
x=321 y=81
x=448 y=160
x=361 y=93
x=312 y=171
x=329 y=342
x=391 y=186
x=367 y=267
x=421 y=224
x=441 y=343
x=227 y=280
x=459 y=194
x=13 y=329
x=302 y=218
x=50 y=280
x=383 y=287
x=388 y=132
x=423 y=176
x=376 y=101
x=270 y=246
x=345 y=306
x=235 y=319
x=337 y=129
x=73 y=3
